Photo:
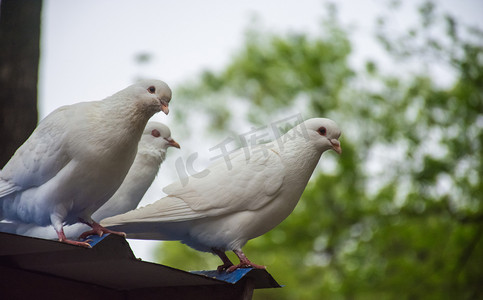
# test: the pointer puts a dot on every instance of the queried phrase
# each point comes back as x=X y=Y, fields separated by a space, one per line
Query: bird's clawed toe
x=99 y=230
x=244 y=262
x=84 y=244
x=245 y=265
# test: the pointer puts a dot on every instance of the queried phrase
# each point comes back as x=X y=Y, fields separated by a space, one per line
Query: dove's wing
x=40 y=158
x=248 y=185
x=167 y=209
x=6 y=187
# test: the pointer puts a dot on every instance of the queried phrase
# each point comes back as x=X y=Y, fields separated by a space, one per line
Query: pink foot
x=99 y=230
x=63 y=239
x=76 y=243
x=244 y=263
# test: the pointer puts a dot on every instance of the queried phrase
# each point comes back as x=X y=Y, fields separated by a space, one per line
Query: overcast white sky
x=89 y=47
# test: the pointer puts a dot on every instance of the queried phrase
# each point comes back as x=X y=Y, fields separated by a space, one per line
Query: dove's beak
x=164 y=106
x=336 y=146
x=173 y=143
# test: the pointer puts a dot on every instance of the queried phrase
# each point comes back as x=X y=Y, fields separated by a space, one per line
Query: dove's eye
x=152 y=89
x=155 y=133
x=322 y=131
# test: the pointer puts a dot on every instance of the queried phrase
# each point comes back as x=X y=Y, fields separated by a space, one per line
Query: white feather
x=151 y=153
x=226 y=208
x=77 y=157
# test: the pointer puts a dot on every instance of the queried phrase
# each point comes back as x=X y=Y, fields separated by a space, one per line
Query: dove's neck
x=151 y=154
x=125 y=114
x=300 y=157
x=140 y=177
x=131 y=110
x=112 y=129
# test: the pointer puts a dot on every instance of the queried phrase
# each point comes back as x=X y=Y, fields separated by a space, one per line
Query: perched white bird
x=77 y=158
x=155 y=141
x=229 y=206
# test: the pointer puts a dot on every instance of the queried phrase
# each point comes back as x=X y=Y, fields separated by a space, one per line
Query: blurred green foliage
x=400 y=216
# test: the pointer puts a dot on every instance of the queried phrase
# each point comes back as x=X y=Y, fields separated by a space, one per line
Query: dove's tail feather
x=32 y=230
x=166 y=219
x=8 y=227
x=17 y=228
x=170 y=231
x=154 y=231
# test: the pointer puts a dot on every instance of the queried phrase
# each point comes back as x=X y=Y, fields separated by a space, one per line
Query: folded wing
x=248 y=185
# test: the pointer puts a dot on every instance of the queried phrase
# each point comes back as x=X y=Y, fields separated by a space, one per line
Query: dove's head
x=158 y=135
x=154 y=95
x=323 y=133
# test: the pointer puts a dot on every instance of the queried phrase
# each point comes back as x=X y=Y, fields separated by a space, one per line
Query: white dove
x=152 y=147
x=229 y=206
x=77 y=158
